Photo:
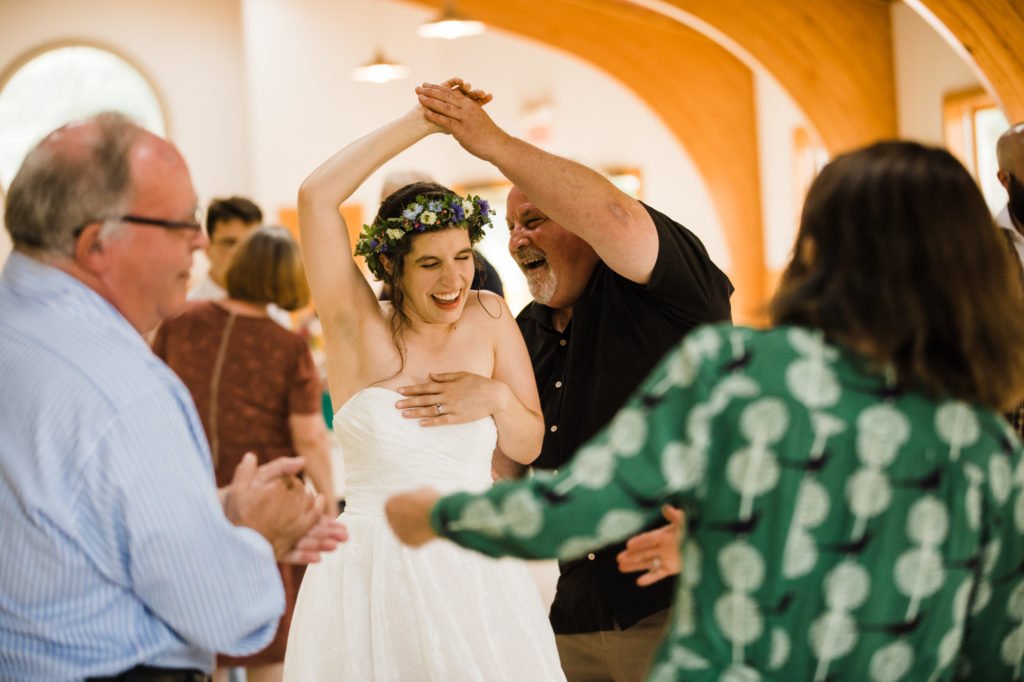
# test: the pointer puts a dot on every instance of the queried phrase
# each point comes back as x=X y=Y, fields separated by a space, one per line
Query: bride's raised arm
x=349 y=312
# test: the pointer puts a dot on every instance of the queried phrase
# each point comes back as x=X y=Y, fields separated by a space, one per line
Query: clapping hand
x=272 y=500
x=655 y=552
x=453 y=398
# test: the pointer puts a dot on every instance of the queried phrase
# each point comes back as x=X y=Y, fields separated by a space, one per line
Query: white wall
x=304 y=106
x=927 y=69
x=190 y=49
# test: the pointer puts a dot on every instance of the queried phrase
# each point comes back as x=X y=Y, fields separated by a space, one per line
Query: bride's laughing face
x=438 y=271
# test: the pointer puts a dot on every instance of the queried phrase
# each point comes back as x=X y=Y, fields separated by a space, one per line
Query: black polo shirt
x=618 y=332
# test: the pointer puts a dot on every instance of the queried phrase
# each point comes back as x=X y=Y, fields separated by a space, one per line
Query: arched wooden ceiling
x=991 y=32
x=704 y=95
x=834 y=57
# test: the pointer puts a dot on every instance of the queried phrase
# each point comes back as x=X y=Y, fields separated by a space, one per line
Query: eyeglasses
x=195 y=225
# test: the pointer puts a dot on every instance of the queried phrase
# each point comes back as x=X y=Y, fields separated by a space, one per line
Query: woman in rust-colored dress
x=256 y=388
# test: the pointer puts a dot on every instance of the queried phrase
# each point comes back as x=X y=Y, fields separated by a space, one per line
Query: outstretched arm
x=617 y=226
x=348 y=309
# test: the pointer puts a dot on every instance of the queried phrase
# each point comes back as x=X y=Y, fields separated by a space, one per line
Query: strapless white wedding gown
x=375 y=610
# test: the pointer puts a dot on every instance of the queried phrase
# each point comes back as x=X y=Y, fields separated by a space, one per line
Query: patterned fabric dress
x=247 y=376
x=839 y=528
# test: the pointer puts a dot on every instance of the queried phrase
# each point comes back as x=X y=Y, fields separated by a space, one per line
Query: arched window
x=65 y=84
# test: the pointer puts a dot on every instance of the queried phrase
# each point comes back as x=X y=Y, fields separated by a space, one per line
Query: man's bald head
x=1010 y=150
x=79 y=173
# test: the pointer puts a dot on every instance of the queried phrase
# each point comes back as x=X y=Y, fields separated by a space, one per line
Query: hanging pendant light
x=379 y=70
x=450 y=25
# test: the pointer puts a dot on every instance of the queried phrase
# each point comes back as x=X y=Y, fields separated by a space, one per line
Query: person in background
x=255 y=387
x=854 y=498
x=123 y=563
x=228 y=222
x=615 y=284
x=1010 y=157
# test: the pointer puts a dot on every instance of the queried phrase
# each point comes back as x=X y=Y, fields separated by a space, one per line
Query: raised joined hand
x=458 y=110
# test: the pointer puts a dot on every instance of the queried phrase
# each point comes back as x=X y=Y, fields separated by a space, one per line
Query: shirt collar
x=52 y=287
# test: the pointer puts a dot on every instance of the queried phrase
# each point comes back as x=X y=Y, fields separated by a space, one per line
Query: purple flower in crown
x=373 y=244
x=458 y=212
x=483 y=206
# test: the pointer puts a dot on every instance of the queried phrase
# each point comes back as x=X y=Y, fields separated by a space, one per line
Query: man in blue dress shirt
x=121 y=560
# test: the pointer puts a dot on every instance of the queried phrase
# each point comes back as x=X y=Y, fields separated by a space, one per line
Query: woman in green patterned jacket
x=854 y=498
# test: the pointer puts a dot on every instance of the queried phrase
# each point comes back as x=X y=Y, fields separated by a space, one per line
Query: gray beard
x=542 y=288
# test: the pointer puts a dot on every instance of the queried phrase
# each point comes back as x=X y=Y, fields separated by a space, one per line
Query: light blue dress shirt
x=114 y=548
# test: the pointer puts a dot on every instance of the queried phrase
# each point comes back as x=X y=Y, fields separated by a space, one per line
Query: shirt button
x=562 y=342
x=591 y=556
x=558 y=384
x=554 y=427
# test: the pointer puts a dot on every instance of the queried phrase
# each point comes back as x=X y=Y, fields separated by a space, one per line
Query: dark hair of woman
x=898 y=258
x=392 y=207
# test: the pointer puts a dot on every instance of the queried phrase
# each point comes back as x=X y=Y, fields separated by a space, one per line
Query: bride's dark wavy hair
x=392 y=207
x=897 y=252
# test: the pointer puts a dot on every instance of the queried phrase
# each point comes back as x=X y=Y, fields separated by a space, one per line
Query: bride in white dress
x=427 y=385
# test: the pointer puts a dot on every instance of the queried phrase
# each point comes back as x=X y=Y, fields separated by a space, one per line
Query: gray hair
x=64 y=184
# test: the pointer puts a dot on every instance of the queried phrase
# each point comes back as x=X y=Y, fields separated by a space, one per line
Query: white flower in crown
x=468 y=207
x=395 y=233
x=428 y=217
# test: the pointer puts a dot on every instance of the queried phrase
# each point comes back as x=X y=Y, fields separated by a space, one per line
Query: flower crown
x=425 y=214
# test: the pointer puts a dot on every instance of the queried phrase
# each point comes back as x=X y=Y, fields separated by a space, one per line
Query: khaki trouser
x=612 y=655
